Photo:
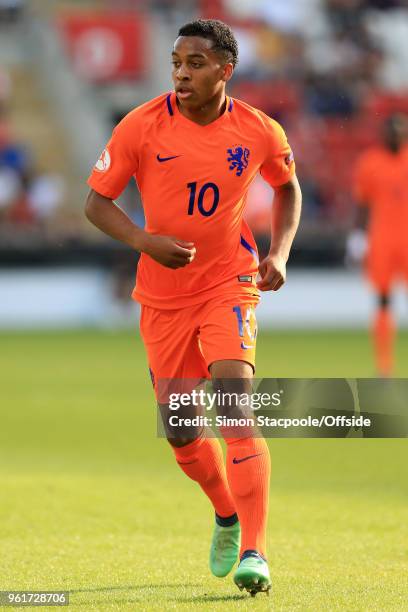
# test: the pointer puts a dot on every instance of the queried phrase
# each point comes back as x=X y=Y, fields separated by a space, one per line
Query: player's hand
x=273 y=273
x=170 y=251
x=356 y=247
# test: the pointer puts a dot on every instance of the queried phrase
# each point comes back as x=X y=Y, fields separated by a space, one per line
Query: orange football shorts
x=183 y=343
x=386 y=266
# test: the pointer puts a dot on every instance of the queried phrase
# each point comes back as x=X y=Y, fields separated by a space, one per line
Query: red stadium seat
x=384 y=103
x=273 y=97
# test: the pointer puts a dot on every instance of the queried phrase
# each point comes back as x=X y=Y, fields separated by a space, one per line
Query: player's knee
x=383 y=300
x=233 y=390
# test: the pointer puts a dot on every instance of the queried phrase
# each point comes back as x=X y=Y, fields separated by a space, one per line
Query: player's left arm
x=286 y=210
x=362 y=190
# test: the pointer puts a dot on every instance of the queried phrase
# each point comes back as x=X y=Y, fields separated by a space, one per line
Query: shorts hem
x=229 y=358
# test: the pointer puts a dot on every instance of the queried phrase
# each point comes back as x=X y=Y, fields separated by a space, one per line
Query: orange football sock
x=203 y=461
x=384 y=335
x=248 y=472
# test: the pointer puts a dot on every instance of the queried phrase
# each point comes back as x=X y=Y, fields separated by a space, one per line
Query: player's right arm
x=112 y=172
x=113 y=221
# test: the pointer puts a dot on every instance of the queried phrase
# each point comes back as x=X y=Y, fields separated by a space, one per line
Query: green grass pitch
x=93 y=503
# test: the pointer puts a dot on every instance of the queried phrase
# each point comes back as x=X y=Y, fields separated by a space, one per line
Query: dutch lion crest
x=238 y=157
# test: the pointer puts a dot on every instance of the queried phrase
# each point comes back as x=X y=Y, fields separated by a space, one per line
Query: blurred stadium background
x=86 y=486
x=328 y=70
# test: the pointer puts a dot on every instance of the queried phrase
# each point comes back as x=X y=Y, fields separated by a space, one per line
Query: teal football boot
x=224 y=548
x=253 y=574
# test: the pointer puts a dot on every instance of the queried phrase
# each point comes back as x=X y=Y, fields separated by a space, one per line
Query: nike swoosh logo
x=235 y=460
x=164 y=159
x=246 y=346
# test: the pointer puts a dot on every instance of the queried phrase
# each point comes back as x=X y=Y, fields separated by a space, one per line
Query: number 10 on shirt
x=211 y=187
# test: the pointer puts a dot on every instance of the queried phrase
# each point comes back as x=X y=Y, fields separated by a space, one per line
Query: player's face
x=199 y=74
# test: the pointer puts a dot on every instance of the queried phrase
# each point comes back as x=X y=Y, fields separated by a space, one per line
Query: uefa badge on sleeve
x=103 y=162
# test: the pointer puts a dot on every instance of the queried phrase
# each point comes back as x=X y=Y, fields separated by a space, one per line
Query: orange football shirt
x=193 y=182
x=381 y=183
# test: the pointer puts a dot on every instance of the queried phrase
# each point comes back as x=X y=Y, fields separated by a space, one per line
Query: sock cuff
x=189 y=450
x=226 y=521
x=251 y=553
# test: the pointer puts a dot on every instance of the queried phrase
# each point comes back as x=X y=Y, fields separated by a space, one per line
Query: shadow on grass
x=131 y=587
x=199 y=598
x=210 y=598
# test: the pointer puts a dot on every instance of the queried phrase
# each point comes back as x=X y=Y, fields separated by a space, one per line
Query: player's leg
x=228 y=339
x=248 y=472
x=384 y=335
x=176 y=362
x=202 y=460
x=382 y=268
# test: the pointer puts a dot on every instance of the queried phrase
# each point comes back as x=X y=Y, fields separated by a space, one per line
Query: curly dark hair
x=224 y=41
